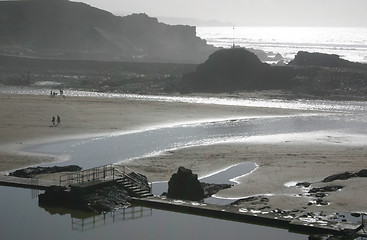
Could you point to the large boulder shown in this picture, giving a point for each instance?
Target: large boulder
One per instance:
(185, 185)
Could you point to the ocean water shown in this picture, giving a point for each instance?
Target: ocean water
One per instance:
(349, 43)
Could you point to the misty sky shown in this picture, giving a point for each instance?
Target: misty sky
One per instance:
(248, 12)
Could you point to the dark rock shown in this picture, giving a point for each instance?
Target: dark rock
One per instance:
(185, 185)
(340, 176)
(100, 200)
(34, 171)
(321, 201)
(323, 60)
(211, 188)
(357, 215)
(106, 199)
(362, 173)
(320, 195)
(325, 189)
(303, 184)
(252, 200)
(236, 69)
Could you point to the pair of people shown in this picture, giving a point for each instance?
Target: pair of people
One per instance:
(58, 120)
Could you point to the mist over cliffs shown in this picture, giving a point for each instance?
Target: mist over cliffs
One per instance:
(71, 30)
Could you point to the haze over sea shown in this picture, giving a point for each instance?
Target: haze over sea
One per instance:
(349, 43)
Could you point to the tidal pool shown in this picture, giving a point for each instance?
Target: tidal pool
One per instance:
(23, 219)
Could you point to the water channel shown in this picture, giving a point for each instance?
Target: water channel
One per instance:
(25, 220)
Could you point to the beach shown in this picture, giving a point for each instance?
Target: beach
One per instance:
(26, 120)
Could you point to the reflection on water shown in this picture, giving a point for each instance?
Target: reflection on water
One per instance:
(125, 214)
(22, 219)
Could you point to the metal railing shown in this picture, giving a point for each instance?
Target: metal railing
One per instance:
(102, 173)
(135, 178)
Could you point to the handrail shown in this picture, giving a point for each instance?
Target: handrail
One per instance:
(127, 173)
(102, 173)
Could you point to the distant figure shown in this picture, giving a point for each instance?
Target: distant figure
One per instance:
(51, 94)
(53, 120)
(58, 120)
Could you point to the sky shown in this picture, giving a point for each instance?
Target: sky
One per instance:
(331, 13)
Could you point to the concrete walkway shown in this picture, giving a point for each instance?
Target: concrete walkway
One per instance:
(32, 183)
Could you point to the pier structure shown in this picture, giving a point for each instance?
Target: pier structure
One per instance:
(93, 178)
(88, 179)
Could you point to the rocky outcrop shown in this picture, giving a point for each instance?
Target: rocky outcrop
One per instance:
(346, 176)
(34, 171)
(325, 189)
(211, 188)
(315, 74)
(185, 185)
(236, 69)
(323, 60)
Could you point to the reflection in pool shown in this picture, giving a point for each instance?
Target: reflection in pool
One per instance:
(23, 219)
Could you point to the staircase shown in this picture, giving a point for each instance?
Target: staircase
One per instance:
(134, 188)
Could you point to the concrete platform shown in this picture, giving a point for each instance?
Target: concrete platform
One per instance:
(264, 218)
(26, 182)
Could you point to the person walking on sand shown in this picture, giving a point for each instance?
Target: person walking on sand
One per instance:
(53, 120)
(58, 120)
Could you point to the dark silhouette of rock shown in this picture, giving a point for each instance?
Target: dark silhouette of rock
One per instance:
(303, 184)
(340, 176)
(346, 175)
(323, 60)
(74, 30)
(211, 188)
(185, 185)
(34, 171)
(362, 173)
(325, 189)
(236, 69)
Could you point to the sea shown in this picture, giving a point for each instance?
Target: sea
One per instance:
(349, 43)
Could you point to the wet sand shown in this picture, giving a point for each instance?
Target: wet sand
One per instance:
(27, 119)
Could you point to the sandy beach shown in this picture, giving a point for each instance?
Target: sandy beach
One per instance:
(26, 119)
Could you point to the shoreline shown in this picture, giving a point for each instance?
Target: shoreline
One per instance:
(26, 119)
(279, 160)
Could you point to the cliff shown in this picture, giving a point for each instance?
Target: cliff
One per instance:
(71, 30)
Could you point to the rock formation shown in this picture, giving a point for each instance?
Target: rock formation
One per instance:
(323, 60)
(34, 171)
(185, 185)
(236, 69)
